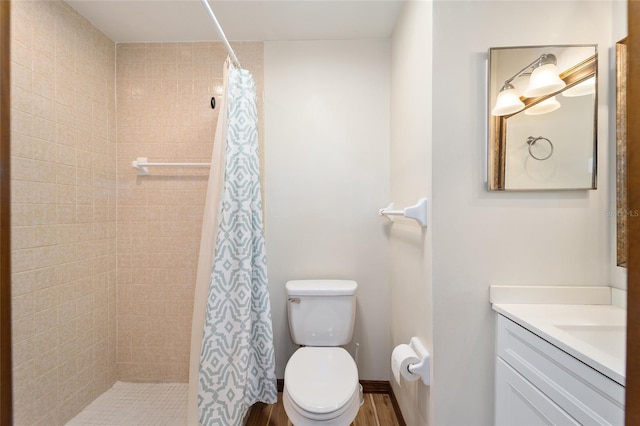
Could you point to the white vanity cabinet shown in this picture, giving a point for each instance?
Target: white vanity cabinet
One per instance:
(537, 383)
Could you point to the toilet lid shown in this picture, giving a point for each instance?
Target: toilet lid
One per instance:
(321, 380)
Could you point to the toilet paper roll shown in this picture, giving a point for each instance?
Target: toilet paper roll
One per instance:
(401, 357)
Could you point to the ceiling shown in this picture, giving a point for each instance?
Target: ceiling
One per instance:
(241, 20)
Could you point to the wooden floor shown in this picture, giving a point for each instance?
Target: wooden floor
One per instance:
(377, 410)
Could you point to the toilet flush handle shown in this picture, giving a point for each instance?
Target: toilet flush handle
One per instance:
(294, 299)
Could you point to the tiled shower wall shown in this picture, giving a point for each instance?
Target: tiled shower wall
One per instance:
(63, 159)
(80, 212)
(164, 113)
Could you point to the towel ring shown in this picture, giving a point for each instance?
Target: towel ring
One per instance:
(532, 141)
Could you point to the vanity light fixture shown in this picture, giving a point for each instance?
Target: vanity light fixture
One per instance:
(543, 81)
(544, 78)
(508, 101)
(543, 107)
(587, 87)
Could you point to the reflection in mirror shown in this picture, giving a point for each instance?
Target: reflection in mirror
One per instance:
(542, 120)
(621, 153)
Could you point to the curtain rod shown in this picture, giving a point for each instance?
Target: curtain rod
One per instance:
(232, 54)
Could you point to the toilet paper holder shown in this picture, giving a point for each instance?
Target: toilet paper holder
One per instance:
(422, 368)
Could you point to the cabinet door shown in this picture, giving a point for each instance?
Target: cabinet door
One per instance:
(588, 396)
(519, 403)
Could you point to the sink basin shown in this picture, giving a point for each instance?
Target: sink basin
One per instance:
(610, 339)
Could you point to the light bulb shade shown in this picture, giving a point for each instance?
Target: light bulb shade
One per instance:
(543, 107)
(587, 87)
(508, 102)
(544, 80)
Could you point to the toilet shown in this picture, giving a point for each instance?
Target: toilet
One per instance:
(321, 384)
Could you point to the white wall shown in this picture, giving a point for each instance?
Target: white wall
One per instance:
(411, 165)
(330, 165)
(327, 174)
(482, 238)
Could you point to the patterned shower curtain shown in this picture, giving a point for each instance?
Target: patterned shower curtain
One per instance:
(237, 363)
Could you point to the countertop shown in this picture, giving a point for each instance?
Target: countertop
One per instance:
(594, 334)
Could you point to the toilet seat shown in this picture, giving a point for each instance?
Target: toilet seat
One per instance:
(321, 383)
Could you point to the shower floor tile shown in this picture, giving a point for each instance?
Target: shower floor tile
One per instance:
(129, 404)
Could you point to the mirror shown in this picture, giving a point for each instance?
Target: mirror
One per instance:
(621, 153)
(542, 118)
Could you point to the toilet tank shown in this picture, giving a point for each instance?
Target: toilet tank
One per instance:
(321, 312)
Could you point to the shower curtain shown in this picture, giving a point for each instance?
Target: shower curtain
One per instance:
(232, 362)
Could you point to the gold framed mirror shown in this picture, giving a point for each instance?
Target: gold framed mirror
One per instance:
(622, 210)
(544, 136)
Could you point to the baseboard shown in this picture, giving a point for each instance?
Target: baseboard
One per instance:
(372, 386)
(376, 386)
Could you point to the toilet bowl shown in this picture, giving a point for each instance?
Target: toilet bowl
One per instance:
(321, 387)
(321, 378)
